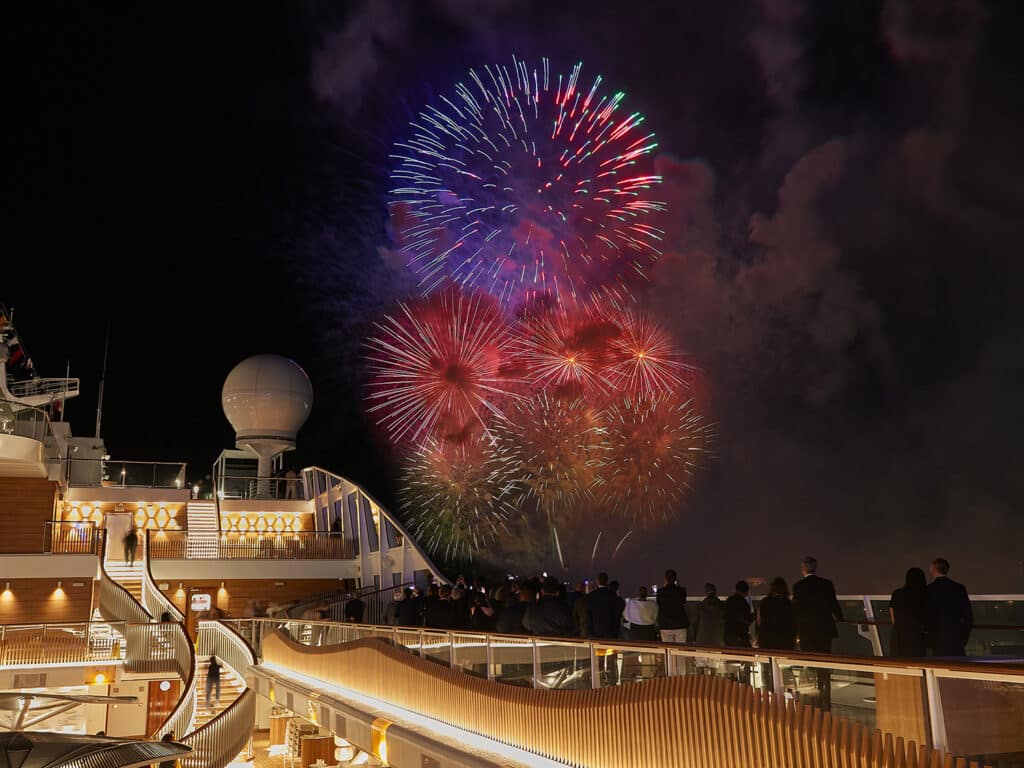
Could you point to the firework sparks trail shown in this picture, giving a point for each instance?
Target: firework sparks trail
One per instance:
(556, 445)
(456, 502)
(645, 362)
(564, 352)
(437, 368)
(527, 183)
(656, 446)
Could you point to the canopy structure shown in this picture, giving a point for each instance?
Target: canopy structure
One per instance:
(38, 749)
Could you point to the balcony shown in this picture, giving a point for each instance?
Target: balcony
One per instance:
(308, 545)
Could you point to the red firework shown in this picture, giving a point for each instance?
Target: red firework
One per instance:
(563, 351)
(655, 447)
(438, 367)
(644, 361)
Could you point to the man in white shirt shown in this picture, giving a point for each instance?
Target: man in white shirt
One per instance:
(642, 615)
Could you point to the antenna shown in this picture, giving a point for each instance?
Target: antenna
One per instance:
(103, 375)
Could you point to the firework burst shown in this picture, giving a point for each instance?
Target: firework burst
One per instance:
(645, 362)
(525, 182)
(456, 502)
(564, 352)
(656, 446)
(437, 368)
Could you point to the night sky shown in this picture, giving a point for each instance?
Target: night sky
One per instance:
(844, 259)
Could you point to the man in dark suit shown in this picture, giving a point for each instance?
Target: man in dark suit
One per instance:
(950, 619)
(816, 610)
(604, 611)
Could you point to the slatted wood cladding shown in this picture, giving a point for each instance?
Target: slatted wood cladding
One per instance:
(673, 722)
(26, 504)
(36, 601)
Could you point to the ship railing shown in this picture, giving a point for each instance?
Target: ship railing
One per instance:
(50, 386)
(155, 601)
(67, 538)
(375, 603)
(86, 642)
(89, 473)
(270, 487)
(29, 421)
(947, 694)
(256, 545)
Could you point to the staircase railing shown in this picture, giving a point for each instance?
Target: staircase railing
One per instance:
(115, 602)
(183, 717)
(220, 640)
(219, 742)
(157, 648)
(154, 600)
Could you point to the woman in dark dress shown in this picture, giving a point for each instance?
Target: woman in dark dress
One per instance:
(776, 624)
(908, 609)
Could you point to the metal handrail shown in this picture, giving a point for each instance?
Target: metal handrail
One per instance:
(269, 545)
(183, 716)
(349, 631)
(224, 642)
(218, 743)
(70, 538)
(155, 601)
(89, 642)
(122, 479)
(115, 602)
(47, 386)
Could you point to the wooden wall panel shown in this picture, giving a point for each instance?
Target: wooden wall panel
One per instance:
(35, 601)
(240, 592)
(26, 504)
(161, 703)
(696, 721)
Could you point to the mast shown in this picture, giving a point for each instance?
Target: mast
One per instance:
(103, 375)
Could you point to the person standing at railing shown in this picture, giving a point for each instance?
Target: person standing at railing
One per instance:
(908, 609)
(642, 615)
(817, 612)
(551, 616)
(776, 624)
(291, 478)
(672, 618)
(354, 610)
(951, 618)
(738, 616)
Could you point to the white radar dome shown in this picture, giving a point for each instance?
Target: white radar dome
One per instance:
(267, 399)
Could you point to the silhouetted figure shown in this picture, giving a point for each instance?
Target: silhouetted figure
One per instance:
(550, 617)
(709, 620)
(213, 681)
(672, 618)
(951, 619)
(354, 609)
(908, 609)
(603, 607)
(738, 616)
(510, 620)
(291, 478)
(817, 610)
(131, 545)
(776, 624)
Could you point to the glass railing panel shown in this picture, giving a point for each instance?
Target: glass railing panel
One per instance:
(409, 639)
(437, 646)
(469, 654)
(563, 665)
(632, 664)
(844, 692)
(512, 660)
(984, 719)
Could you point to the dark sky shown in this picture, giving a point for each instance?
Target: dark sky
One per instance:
(844, 260)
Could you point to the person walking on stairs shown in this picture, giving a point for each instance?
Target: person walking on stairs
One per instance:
(131, 544)
(212, 680)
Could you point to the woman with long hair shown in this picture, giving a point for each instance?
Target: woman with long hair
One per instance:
(908, 609)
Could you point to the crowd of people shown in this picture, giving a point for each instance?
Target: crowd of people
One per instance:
(933, 617)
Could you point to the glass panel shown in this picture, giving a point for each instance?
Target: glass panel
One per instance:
(352, 534)
(844, 693)
(394, 539)
(984, 720)
(437, 647)
(409, 639)
(633, 665)
(372, 535)
(563, 665)
(513, 660)
(470, 654)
